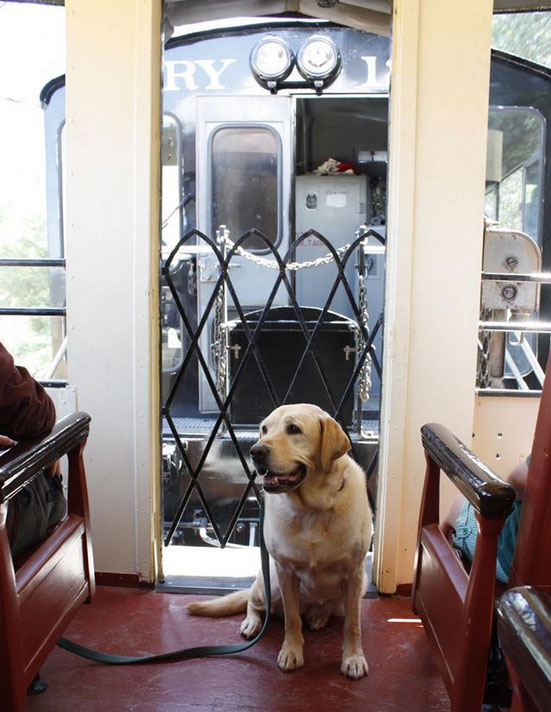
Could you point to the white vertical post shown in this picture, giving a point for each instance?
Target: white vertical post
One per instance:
(437, 143)
(112, 232)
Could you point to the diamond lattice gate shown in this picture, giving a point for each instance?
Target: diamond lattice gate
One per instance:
(227, 365)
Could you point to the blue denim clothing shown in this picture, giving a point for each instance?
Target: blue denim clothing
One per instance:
(466, 534)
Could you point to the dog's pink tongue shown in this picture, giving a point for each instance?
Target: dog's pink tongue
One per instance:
(294, 475)
(271, 479)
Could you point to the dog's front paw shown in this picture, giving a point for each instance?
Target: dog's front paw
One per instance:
(354, 666)
(290, 658)
(251, 626)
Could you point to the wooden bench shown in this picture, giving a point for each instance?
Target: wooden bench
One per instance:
(457, 609)
(39, 597)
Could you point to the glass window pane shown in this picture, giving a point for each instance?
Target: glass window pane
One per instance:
(525, 34)
(490, 203)
(514, 169)
(32, 52)
(37, 343)
(171, 204)
(510, 201)
(245, 182)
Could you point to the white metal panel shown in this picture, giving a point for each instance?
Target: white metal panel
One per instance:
(334, 206)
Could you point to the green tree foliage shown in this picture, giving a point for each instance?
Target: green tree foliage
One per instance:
(527, 35)
(28, 338)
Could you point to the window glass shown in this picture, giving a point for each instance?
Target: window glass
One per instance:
(514, 169)
(245, 191)
(525, 34)
(32, 52)
(510, 201)
(514, 180)
(172, 203)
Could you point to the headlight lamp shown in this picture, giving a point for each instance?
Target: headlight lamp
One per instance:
(318, 58)
(271, 60)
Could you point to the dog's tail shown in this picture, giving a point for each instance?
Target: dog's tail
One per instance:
(235, 602)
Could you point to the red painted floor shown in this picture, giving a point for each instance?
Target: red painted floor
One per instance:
(402, 678)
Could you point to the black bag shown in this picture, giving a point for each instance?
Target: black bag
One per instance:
(33, 511)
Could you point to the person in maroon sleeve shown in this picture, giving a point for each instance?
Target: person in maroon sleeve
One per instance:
(27, 411)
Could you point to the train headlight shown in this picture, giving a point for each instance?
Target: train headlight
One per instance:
(318, 59)
(272, 60)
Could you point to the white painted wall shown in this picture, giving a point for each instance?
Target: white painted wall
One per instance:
(113, 100)
(503, 430)
(438, 125)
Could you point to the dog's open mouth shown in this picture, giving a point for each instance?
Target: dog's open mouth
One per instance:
(283, 482)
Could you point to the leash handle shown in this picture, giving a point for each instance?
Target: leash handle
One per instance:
(186, 653)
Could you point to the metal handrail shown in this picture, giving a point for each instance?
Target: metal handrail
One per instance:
(33, 262)
(33, 311)
(540, 277)
(534, 327)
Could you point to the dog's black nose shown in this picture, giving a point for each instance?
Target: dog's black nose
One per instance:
(259, 452)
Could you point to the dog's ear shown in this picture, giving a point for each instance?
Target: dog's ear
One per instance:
(334, 442)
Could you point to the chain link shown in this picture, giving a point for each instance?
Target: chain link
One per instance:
(219, 350)
(484, 346)
(272, 264)
(364, 380)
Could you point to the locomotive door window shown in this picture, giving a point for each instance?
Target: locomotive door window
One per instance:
(244, 183)
(244, 177)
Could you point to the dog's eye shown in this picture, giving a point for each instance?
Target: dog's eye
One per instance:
(293, 429)
(264, 430)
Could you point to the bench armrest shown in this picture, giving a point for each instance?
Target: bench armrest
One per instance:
(488, 493)
(21, 463)
(524, 625)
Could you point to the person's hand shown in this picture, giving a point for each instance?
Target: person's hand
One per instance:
(54, 469)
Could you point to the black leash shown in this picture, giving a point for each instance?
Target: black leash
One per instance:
(186, 653)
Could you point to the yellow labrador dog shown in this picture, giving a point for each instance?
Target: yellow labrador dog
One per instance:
(317, 530)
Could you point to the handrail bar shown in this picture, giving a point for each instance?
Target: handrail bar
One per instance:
(21, 463)
(486, 491)
(538, 327)
(33, 311)
(34, 262)
(541, 277)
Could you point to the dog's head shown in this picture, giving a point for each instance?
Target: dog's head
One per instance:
(295, 441)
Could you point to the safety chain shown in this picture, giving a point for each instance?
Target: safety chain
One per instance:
(364, 380)
(219, 348)
(220, 334)
(484, 347)
(272, 264)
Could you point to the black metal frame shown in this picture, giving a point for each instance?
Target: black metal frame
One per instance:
(224, 418)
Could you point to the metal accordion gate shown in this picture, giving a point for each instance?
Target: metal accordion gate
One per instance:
(249, 361)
